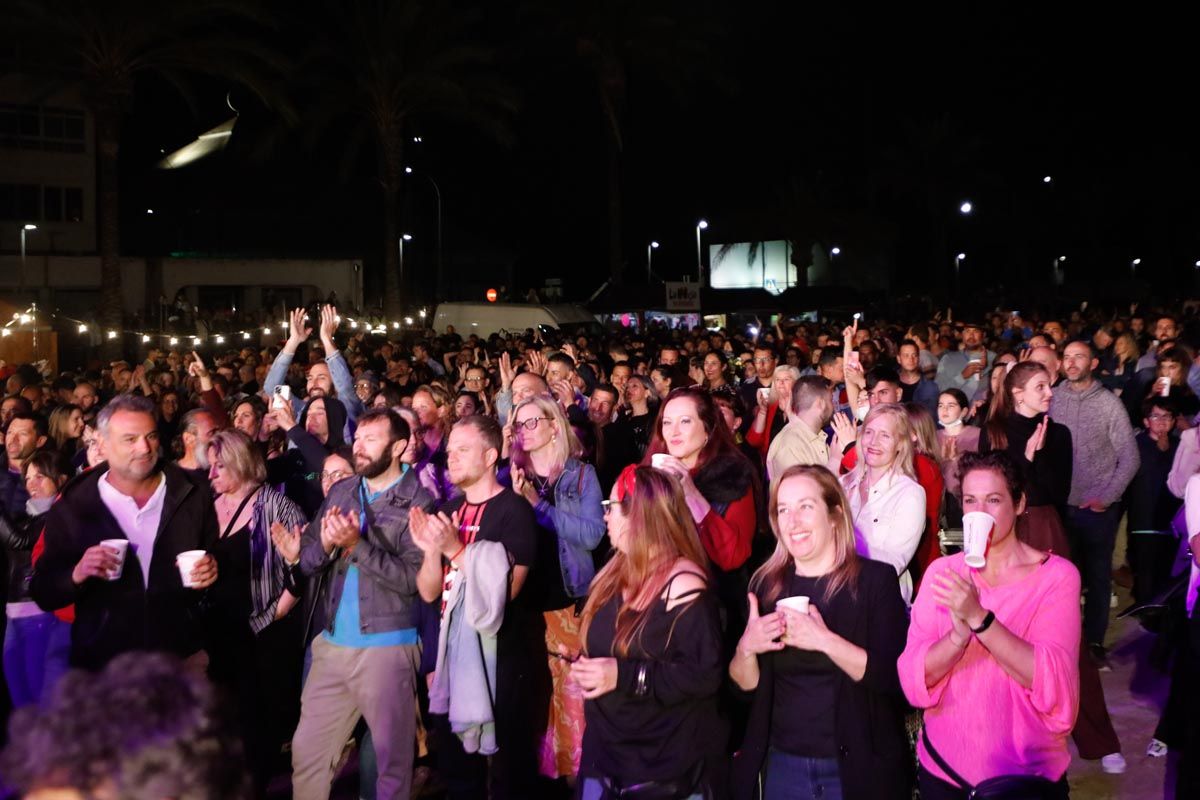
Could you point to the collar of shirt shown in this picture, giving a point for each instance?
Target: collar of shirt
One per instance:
(111, 496)
(877, 489)
(799, 428)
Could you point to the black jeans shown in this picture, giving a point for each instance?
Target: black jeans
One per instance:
(1093, 535)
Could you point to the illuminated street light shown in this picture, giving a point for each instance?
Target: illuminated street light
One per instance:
(837, 251)
(650, 248)
(966, 207)
(702, 225)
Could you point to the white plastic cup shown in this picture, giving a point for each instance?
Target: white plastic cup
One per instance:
(1163, 387)
(977, 533)
(799, 604)
(659, 459)
(764, 394)
(122, 547)
(186, 561)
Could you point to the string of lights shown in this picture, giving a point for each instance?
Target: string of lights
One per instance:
(32, 319)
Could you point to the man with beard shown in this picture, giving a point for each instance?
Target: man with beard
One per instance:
(364, 663)
(138, 600)
(198, 427)
(327, 378)
(961, 369)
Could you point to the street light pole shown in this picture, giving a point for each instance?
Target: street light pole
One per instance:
(958, 259)
(1056, 277)
(650, 248)
(437, 191)
(404, 237)
(1133, 267)
(29, 226)
(701, 225)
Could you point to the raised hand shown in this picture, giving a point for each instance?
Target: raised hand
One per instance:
(287, 542)
(535, 362)
(98, 561)
(844, 430)
(329, 326)
(1037, 439)
(507, 372)
(298, 329)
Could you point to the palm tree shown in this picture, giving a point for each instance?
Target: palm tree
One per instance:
(380, 65)
(108, 48)
(665, 43)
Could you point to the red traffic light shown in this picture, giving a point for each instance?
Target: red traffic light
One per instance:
(492, 294)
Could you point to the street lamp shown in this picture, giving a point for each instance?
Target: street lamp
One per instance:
(404, 237)
(700, 226)
(1133, 265)
(650, 248)
(837, 251)
(1047, 179)
(437, 191)
(28, 226)
(966, 207)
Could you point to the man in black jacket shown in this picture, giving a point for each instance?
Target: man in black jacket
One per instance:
(162, 511)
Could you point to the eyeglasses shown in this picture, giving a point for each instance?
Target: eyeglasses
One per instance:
(335, 475)
(531, 423)
(473, 380)
(1161, 417)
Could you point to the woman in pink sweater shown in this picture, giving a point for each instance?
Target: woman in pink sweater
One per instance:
(993, 654)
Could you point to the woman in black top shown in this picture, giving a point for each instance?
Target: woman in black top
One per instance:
(652, 656)
(254, 643)
(1017, 423)
(828, 714)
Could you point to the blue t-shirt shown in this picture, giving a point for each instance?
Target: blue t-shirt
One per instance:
(347, 627)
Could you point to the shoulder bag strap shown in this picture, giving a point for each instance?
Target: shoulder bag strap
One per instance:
(941, 762)
(241, 507)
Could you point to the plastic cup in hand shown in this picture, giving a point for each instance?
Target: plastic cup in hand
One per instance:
(977, 533)
(799, 604)
(1163, 387)
(122, 547)
(186, 561)
(658, 460)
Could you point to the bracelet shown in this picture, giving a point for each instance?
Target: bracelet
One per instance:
(987, 623)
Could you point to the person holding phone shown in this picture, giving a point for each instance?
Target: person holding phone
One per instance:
(962, 369)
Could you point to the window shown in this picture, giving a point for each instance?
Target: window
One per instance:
(73, 205)
(27, 202)
(41, 128)
(52, 204)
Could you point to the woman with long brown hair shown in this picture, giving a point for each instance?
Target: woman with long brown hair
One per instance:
(1017, 423)
(1041, 448)
(652, 661)
(692, 442)
(827, 716)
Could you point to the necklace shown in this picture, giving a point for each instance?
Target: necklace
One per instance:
(541, 485)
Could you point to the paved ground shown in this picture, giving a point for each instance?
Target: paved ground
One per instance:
(1135, 693)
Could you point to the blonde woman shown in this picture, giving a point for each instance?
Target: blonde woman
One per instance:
(827, 715)
(566, 499)
(255, 646)
(652, 664)
(66, 429)
(887, 504)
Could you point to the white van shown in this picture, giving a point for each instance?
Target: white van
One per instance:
(484, 319)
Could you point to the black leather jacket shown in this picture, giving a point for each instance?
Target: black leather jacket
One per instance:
(18, 539)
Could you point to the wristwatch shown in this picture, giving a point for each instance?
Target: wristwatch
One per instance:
(987, 623)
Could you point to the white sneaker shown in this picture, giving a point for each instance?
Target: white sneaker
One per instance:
(1157, 748)
(1113, 763)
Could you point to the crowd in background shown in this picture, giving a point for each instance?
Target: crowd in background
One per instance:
(537, 564)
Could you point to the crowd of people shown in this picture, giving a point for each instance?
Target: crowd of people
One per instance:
(650, 564)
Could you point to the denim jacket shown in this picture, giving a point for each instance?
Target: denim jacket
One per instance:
(577, 519)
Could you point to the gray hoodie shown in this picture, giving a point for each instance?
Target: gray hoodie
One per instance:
(1105, 453)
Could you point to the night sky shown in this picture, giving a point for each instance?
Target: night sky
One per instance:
(817, 126)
